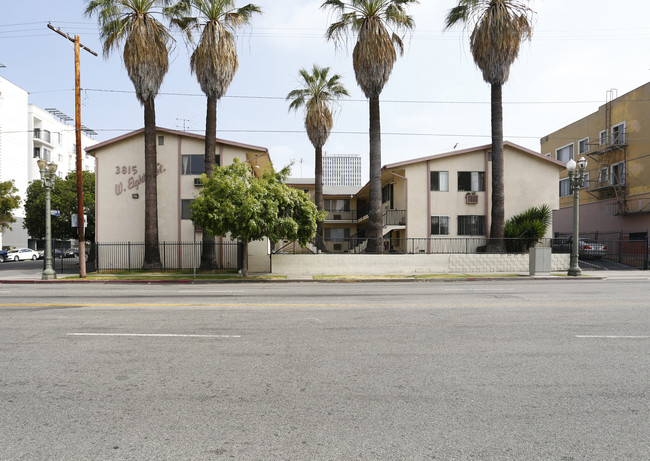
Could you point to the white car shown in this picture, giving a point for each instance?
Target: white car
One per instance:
(22, 254)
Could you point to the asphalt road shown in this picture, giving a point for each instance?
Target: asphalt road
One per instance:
(553, 370)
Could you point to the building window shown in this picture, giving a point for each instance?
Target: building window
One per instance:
(603, 137)
(565, 187)
(186, 212)
(387, 194)
(583, 146)
(471, 181)
(439, 225)
(471, 225)
(564, 154)
(47, 154)
(440, 181)
(604, 175)
(161, 140)
(618, 173)
(37, 152)
(195, 164)
(337, 234)
(337, 204)
(618, 133)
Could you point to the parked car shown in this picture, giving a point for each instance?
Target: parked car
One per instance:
(587, 248)
(3, 255)
(22, 254)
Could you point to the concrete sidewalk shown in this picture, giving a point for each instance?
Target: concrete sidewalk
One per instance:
(35, 277)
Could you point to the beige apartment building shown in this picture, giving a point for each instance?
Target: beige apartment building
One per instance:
(615, 141)
(119, 188)
(443, 196)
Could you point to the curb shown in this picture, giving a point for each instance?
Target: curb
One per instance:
(345, 280)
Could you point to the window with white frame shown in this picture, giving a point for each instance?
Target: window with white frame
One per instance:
(583, 146)
(37, 152)
(439, 225)
(565, 153)
(604, 175)
(586, 181)
(618, 133)
(618, 173)
(603, 137)
(440, 181)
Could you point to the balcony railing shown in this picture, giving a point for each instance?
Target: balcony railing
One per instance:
(344, 215)
(395, 218)
(43, 135)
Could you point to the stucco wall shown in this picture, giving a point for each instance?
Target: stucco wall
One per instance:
(330, 264)
(530, 180)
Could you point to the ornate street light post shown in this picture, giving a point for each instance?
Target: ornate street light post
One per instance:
(577, 182)
(48, 171)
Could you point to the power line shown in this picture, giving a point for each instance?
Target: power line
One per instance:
(392, 101)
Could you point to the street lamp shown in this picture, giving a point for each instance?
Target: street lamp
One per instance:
(47, 171)
(577, 182)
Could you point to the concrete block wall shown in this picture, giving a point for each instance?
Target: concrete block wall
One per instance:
(346, 264)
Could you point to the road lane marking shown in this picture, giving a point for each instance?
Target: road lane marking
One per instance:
(155, 335)
(612, 337)
(479, 289)
(209, 291)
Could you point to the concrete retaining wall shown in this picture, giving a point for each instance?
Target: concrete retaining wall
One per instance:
(346, 264)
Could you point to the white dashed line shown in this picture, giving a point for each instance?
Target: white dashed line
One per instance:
(154, 335)
(612, 337)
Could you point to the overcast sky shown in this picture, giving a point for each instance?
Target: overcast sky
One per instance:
(435, 101)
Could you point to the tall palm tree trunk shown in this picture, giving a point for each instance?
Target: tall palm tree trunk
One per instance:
(375, 223)
(319, 190)
(208, 253)
(151, 248)
(497, 226)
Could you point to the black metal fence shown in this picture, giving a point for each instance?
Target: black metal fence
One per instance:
(459, 245)
(610, 251)
(129, 257)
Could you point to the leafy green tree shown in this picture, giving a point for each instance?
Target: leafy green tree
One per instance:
(146, 58)
(63, 199)
(234, 201)
(316, 95)
(373, 57)
(9, 201)
(524, 230)
(498, 28)
(214, 62)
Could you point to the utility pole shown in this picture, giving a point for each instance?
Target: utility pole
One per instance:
(80, 189)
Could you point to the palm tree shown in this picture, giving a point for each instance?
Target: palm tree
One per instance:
(499, 26)
(214, 62)
(146, 49)
(317, 94)
(373, 57)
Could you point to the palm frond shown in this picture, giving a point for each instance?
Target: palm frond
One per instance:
(377, 25)
(498, 28)
(317, 94)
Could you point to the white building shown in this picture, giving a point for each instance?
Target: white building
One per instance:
(341, 170)
(28, 133)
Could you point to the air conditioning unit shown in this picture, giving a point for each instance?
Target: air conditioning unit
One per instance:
(198, 182)
(337, 247)
(471, 199)
(336, 216)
